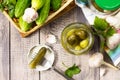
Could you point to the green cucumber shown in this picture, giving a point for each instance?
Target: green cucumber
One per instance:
(24, 25)
(11, 13)
(55, 4)
(11, 2)
(43, 13)
(38, 57)
(37, 4)
(20, 7)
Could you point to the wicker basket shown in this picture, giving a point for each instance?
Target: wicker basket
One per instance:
(66, 6)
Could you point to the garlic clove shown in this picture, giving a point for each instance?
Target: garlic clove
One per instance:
(51, 39)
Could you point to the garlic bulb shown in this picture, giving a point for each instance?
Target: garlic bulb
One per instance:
(113, 41)
(30, 15)
(96, 60)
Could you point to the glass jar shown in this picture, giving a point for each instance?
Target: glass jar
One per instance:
(103, 7)
(77, 38)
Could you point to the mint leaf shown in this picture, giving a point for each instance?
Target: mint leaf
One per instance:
(72, 71)
(110, 32)
(103, 28)
(100, 24)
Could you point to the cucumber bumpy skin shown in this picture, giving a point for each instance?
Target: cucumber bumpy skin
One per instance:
(55, 4)
(43, 13)
(11, 2)
(20, 7)
(24, 25)
(38, 58)
(37, 4)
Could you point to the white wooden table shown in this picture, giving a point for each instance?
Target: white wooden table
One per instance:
(14, 49)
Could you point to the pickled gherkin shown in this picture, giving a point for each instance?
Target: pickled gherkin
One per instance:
(40, 55)
(72, 39)
(82, 34)
(77, 38)
(84, 43)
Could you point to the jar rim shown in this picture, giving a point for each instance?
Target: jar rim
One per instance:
(108, 4)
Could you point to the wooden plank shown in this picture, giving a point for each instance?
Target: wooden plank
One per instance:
(61, 55)
(87, 73)
(19, 50)
(4, 48)
(111, 75)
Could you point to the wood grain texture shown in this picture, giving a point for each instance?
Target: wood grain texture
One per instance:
(87, 73)
(19, 50)
(14, 49)
(111, 75)
(56, 28)
(61, 55)
(4, 48)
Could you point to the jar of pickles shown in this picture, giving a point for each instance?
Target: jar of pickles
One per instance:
(105, 6)
(101, 6)
(77, 38)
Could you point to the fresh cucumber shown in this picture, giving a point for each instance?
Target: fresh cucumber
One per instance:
(21, 5)
(43, 13)
(24, 25)
(11, 2)
(56, 4)
(11, 13)
(37, 4)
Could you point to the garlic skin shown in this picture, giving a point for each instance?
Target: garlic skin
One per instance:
(102, 72)
(113, 41)
(118, 15)
(113, 21)
(96, 60)
(118, 31)
(30, 15)
(51, 39)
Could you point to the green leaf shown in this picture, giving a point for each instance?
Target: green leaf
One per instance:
(100, 24)
(72, 71)
(110, 32)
